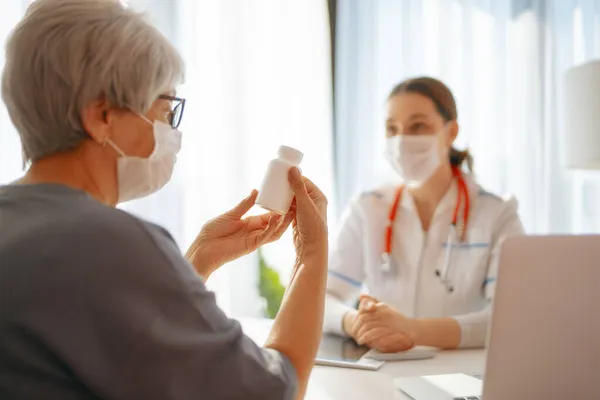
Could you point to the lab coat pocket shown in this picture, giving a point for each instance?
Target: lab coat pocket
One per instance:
(468, 265)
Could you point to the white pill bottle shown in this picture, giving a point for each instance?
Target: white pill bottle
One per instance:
(275, 193)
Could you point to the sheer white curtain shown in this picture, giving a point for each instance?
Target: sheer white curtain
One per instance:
(258, 75)
(504, 61)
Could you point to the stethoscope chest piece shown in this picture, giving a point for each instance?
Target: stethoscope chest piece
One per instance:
(386, 264)
(445, 282)
(445, 273)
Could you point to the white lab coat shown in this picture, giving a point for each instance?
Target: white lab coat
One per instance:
(413, 287)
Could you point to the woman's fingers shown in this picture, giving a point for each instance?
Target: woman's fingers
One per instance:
(382, 342)
(371, 335)
(268, 233)
(298, 185)
(256, 223)
(362, 325)
(243, 206)
(310, 223)
(306, 193)
(369, 297)
(367, 304)
(264, 236)
(284, 224)
(392, 342)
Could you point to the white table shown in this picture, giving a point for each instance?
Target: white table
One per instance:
(331, 383)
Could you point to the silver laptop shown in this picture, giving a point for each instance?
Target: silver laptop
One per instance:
(545, 332)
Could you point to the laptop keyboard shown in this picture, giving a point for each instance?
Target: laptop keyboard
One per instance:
(471, 397)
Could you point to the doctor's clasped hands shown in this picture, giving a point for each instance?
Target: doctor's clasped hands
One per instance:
(379, 326)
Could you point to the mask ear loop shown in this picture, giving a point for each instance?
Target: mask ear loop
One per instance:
(114, 146)
(145, 119)
(104, 115)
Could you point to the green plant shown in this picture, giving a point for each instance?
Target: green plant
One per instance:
(269, 286)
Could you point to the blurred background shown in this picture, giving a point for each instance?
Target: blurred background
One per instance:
(314, 74)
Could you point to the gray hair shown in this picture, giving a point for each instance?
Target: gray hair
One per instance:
(64, 54)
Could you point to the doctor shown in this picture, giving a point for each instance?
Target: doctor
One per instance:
(426, 250)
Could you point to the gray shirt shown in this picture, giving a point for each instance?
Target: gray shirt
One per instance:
(97, 304)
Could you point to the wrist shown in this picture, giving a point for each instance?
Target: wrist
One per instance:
(418, 331)
(318, 257)
(201, 263)
(348, 321)
(444, 333)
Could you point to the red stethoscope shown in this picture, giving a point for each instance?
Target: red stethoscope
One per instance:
(457, 229)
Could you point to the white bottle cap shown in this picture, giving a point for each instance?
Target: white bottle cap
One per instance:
(290, 155)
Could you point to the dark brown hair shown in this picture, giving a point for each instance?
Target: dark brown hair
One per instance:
(445, 104)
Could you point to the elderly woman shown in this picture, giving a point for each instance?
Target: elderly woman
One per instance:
(95, 303)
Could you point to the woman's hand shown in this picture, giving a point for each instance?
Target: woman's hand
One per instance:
(230, 236)
(379, 326)
(310, 222)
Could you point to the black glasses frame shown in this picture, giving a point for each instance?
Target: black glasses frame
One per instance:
(176, 113)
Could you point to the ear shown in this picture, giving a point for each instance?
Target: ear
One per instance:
(453, 129)
(95, 120)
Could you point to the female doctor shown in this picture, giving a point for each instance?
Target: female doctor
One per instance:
(427, 250)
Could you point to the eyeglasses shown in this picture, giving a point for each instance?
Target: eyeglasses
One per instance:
(177, 106)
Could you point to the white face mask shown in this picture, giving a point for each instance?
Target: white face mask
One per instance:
(139, 177)
(414, 157)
